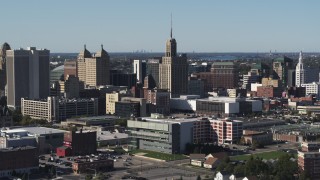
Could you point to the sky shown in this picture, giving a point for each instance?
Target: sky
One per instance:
(130, 25)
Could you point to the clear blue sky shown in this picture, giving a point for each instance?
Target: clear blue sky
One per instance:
(200, 26)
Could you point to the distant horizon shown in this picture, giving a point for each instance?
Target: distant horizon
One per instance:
(127, 26)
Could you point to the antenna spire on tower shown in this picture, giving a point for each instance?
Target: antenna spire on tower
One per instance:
(85, 46)
(171, 27)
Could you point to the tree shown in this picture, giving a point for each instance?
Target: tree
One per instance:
(88, 177)
(285, 168)
(239, 169)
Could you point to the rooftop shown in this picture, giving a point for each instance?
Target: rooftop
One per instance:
(107, 135)
(42, 130)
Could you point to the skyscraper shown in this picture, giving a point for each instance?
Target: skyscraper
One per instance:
(3, 78)
(28, 74)
(139, 68)
(300, 72)
(173, 71)
(94, 70)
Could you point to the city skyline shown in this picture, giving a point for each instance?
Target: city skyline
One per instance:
(124, 26)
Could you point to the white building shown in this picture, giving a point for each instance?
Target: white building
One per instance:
(312, 88)
(248, 79)
(138, 69)
(300, 72)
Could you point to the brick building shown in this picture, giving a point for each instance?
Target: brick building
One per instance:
(226, 130)
(268, 91)
(310, 162)
(20, 160)
(78, 143)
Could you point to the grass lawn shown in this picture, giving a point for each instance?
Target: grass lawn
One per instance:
(158, 155)
(264, 155)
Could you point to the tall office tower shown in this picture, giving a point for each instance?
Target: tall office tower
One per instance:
(281, 66)
(94, 70)
(173, 70)
(139, 68)
(70, 68)
(152, 69)
(3, 79)
(300, 72)
(28, 74)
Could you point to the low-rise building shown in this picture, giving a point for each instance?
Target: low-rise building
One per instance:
(19, 160)
(220, 106)
(45, 139)
(310, 161)
(312, 88)
(197, 159)
(157, 133)
(107, 121)
(310, 146)
(250, 137)
(269, 91)
(211, 163)
(55, 109)
(304, 110)
(92, 164)
(131, 107)
(80, 143)
(107, 138)
(226, 131)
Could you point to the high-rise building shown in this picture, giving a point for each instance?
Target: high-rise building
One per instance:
(139, 68)
(70, 68)
(28, 75)
(173, 70)
(152, 68)
(3, 77)
(94, 70)
(300, 72)
(281, 66)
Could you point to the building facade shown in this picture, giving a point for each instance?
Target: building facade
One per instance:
(94, 70)
(28, 75)
(300, 72)
(55, 109)
(3, 72)
(310, 162)
(173, 71)
(139, 68)
(21, 160)
(160, 134)
(80, 143)
(312, 88)
(281, 66)
(226, 131)
(70, 68)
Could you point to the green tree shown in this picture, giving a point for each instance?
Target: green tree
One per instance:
(100, 176)
(285, 168)
(239, 169)
(26, 120)
(88, 177)
(16, 117)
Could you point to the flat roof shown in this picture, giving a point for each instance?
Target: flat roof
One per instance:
(14, 130)
(94, 118)
(107, 135)
(42, 130)
(169, 120)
